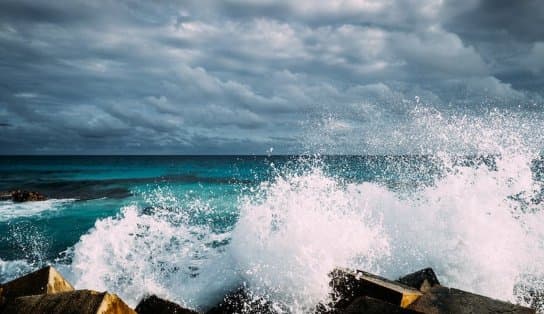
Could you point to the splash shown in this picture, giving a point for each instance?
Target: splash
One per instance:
(137, 253)
(471, 230)
(294, 231)
(277, 250)
(471, 226)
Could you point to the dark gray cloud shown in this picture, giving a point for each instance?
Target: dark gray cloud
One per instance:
(492, 20)
(241, 76)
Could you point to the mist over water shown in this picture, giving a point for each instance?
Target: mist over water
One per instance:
(468, 203)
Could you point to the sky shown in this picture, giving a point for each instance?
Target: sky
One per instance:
(260, 77)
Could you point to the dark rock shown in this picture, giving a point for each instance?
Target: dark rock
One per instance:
(368, 305)
(241, 301)
(423, 280)
(155, 305)
(442, 300)
(26, 196)
(72, 302)
(348, 285)
(44, 281)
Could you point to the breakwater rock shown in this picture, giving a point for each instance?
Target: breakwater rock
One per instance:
(78, 301)
(352, 291)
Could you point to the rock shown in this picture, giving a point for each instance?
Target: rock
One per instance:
(19, 196)
(241, 301)
(423, 279)
(155, 305)
(442, 300)
(349, 284)
(368, 305)
(44, 281)
(72, 302)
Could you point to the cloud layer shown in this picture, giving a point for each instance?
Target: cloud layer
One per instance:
(241, 76)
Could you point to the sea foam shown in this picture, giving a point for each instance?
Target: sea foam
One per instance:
(10, 210)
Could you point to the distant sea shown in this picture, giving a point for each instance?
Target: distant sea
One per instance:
(191, 228)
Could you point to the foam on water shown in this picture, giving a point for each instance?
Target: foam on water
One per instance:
(10, 210)
(10, 270)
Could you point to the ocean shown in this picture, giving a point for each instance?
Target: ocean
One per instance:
(192, 228)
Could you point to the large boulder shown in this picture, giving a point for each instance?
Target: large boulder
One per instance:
(44, 281)
(155, 305)
(348, 285)
(443, 300)
(26, 196)
(423, 279)
(72, 302)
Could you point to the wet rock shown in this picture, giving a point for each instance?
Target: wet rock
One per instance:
(72, 302)
(368, 305)
(155, 305)
(442, 300)
(241, 301)
(44, 281)
(19, 196)
(348, 285)
(423, 279)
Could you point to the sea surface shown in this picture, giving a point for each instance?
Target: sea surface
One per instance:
(191, 228)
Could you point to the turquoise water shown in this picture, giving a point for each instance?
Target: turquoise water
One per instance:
(98, 187)
(192, 227)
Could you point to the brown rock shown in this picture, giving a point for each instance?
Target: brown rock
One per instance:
(44, 281)
(423, 279)
(155, 305)
(350, 284)
(442, 300)
(26, 196)
(73, 302)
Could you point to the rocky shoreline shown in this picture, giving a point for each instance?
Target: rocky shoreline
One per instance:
(353, 291)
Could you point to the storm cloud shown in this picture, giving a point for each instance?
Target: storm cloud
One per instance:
(244, 76)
